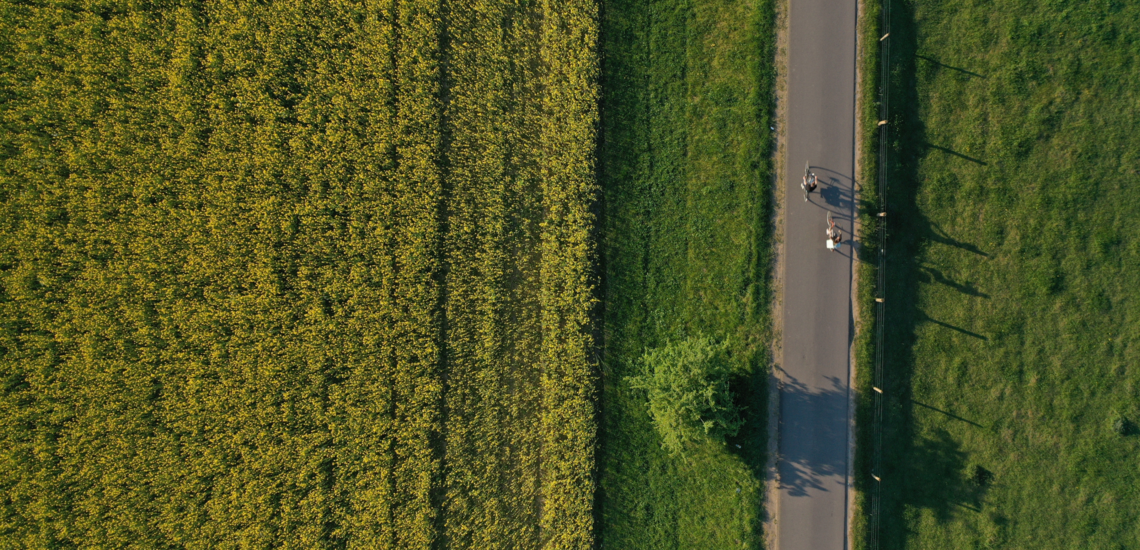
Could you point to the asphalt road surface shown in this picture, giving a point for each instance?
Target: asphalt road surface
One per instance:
(813, 437)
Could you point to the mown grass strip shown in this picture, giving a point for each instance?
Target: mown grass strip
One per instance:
(1011, 316)
(865, 526)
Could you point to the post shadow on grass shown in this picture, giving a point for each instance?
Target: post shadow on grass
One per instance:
(918, 470)
(947, 413)
(932, 274)
(1123, 426)
(952, 327)
(941, 65)
(939, 235)
(949, 151)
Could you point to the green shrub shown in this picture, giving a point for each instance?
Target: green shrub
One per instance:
(1122, 426)
(688, 394)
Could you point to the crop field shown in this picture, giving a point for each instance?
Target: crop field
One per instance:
(297, 274)
(684, 167)
(1013, 294)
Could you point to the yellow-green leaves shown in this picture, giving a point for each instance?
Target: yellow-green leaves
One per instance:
(297, 275)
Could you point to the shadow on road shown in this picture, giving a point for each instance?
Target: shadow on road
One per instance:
(838, 198)
(802, 411)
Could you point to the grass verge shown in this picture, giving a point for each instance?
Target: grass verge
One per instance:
(867, 269)
(685, 174)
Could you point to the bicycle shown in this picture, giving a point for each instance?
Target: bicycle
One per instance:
(834, 234)
(809, 178)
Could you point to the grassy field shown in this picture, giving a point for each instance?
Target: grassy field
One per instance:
(686, 180)
(297, 274)
(1013, 294)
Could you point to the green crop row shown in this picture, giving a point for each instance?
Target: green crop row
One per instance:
(493, 439)
(520, 429)
(570, 97)
(300, 275)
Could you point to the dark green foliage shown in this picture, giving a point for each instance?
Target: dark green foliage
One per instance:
(686, 383)
(1122, 426)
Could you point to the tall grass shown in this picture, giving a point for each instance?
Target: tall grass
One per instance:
(686, 183)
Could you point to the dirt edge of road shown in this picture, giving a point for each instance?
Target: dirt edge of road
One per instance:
(775, 379)
(856, 229)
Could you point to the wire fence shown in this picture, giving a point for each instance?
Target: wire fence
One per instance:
(880, 302)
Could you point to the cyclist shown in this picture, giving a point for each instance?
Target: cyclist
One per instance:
(834, 235)
(810, 181)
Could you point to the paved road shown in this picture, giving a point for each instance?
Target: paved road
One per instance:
(817, 330)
